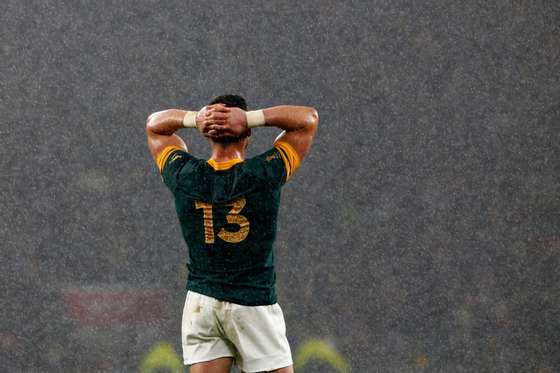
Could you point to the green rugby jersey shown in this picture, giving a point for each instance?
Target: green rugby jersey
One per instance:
(228, 213)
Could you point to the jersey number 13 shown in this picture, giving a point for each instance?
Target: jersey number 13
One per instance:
(233, 217)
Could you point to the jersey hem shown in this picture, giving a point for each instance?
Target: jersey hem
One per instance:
(223, 297)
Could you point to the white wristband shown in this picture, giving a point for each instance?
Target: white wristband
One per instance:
(255, 118)
(189, 120)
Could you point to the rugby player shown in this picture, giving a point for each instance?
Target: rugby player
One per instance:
(227, 208)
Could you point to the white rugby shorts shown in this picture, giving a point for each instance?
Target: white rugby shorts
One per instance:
(255, 336)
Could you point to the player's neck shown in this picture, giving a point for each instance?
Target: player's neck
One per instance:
(223, 153)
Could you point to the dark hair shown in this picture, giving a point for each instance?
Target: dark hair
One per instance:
(231, 101)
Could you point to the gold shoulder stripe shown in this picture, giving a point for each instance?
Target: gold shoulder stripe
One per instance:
(220, 166)
(162, 157)
(289, 156)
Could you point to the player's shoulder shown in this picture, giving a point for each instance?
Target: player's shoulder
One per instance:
(267, 156)
(266, 168)
(270, 158)
(289, 156)
(282, 156)
(174, 161)
(169, 155)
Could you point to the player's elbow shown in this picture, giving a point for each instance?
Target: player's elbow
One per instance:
(151, 121)
(312, 118)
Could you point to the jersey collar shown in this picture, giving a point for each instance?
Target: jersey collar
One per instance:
(220, 166)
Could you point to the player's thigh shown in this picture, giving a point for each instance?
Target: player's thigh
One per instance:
(221, 365)
(198, 324)
(259, 336)
(201, 337)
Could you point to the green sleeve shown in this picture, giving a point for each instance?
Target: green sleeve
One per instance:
(171, 164)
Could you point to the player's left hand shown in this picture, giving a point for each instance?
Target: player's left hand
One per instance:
(210, 116)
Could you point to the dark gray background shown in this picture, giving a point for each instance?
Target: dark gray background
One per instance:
(421, 234)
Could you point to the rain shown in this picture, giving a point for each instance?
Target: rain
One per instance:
(421, 233)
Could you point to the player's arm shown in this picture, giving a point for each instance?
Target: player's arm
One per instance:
(299, 124)
(160, 129)
(162, 125)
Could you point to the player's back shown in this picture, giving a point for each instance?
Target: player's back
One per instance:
(228, 213)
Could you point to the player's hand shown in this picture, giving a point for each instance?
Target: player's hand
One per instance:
(235, 122)
(210, 116)
(199, 120)
(202, 120)
(221, 121)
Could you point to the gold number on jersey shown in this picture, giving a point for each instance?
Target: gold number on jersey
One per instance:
(233, 217)
(208, 221)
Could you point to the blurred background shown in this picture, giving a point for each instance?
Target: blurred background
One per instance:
(422, 234)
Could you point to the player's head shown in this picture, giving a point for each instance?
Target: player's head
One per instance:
(231, 101)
